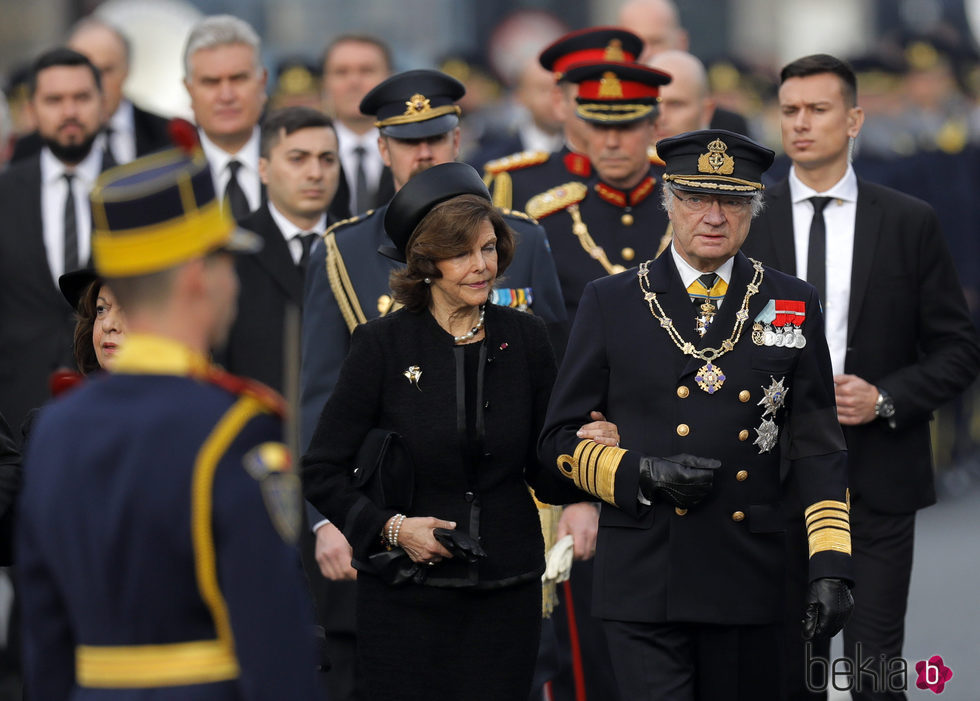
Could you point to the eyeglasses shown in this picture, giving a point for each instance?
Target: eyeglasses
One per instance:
(729, 204)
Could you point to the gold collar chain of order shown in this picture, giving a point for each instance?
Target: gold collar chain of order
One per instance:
(714, 382)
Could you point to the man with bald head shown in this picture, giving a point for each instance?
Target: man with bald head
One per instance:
(685, 102)
(658, 24)
(130, 131)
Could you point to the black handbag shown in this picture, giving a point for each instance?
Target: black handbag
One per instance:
(384, 471)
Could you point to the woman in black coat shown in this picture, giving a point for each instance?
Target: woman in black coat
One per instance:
(465, 384)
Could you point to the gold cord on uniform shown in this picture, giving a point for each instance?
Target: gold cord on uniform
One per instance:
(710, 376)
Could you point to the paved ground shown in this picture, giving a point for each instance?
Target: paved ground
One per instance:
(944, 603)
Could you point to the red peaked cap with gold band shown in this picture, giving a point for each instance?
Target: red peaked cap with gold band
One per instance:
(616, 93)
(593, 45)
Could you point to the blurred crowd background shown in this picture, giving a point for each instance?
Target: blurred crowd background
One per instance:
(917, 61)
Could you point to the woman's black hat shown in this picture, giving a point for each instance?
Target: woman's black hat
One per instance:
(423, 192)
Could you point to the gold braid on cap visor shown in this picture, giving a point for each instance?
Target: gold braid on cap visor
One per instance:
(716, 182)
(613, 113)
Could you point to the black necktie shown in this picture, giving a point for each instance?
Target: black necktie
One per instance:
(234, 193)
(306, 240)
(361, 202)
(109, 159)
(71, 228)
(816, 253)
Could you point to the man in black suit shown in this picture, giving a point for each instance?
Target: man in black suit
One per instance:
(130, 131)
(690, 558)
(900, 337)
(226, 83)
(47, 227)
(300, 169)
(353, 64)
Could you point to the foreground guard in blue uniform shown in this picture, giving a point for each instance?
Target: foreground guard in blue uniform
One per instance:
(719, 362)
(159, 507)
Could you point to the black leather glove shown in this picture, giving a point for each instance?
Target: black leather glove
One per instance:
(683, 480)
(459, 544)
(829, 605)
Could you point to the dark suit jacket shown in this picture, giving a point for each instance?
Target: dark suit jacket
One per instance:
(340, 206)
(269, 281)
(909, 332)
(36, 336)
(150, 131)
(9, 487)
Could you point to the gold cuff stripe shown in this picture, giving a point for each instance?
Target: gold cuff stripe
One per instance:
(825, 504)
(202, 531)
(138, 666)
(832, 539)
(423, 116)
(613, 113)
(827, 513)
(828, 522)
(147, 249)
(343, 288)
(593, 468)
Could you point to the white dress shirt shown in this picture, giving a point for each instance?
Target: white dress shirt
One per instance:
(689, 273)
(347, 141)
(838, 217)
(248, 174)
(123, 138)
(289, 231)
(54, 190)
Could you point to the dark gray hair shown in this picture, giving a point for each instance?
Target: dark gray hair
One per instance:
(667, 200)
(220, 30)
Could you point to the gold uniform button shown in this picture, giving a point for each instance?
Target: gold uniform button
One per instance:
(627, 219)
(683, 391)
(384, 304)
(683, 429)
(743, 435)
(628, 253)
(679, 511)
(742, 475)
(744, 396)
(738, 516)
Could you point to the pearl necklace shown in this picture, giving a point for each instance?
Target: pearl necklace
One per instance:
(475, 330)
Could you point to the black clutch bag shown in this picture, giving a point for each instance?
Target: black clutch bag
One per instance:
(384, 472)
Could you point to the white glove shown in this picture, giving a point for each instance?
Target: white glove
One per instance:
(558, 561)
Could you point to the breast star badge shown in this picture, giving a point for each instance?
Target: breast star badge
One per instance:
(774, 397)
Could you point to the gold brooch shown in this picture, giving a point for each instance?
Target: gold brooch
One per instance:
(418, 104)
(413, 374)
(716, 160)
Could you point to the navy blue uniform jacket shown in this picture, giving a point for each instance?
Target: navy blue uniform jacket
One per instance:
(722, 560)
(139, 526)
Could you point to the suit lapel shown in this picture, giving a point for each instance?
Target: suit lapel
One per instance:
(779, 222)
(32, 233)
(275, 257)
(867, 232)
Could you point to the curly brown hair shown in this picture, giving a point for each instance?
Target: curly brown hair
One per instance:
(447, 231)
(85, 357)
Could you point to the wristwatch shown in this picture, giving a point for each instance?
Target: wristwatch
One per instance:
(885, 407)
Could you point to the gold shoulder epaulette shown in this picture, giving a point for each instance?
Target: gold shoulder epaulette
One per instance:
(344, 222)
(517, 214)
(523, 159)
(556, 199)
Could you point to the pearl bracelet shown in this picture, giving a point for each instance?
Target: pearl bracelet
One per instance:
(401, 520)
